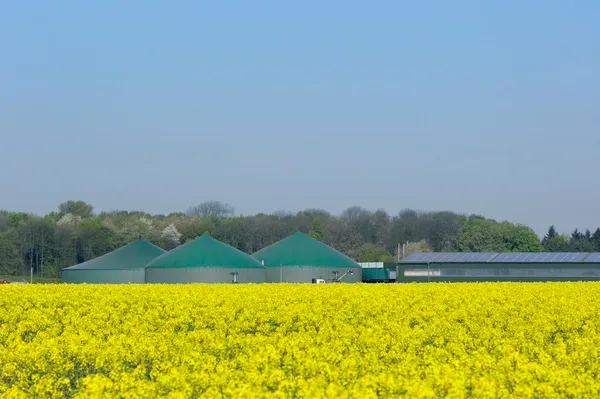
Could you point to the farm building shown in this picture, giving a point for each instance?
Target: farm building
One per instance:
(492, 266)
(300, 258)
(123, 265)
(205, 260)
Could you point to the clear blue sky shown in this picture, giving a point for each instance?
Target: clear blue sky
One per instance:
(476, 107)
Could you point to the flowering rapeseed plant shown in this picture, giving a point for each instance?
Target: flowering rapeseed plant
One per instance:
(484, 340)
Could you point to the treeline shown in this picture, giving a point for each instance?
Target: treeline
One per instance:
(74, 234)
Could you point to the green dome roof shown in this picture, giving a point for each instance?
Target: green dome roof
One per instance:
(205, 251)
(302, 250)
(135, 255)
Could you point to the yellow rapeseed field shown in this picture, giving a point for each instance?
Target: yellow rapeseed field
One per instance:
(484, 340)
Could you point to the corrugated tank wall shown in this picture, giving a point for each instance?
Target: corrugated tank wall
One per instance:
(99, 276)
(305, 274)
(204, 275)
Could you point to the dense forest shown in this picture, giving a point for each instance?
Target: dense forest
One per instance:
(74, 233)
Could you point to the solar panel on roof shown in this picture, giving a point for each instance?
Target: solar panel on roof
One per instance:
(578, 257)
(594, 257)
(505, 257)
(460, 257)
(414, 257)
(449, 257)
(560, 257)
(540, 257)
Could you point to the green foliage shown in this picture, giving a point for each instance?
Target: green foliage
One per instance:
(581, 242)
(11, 261)
(77, 208)
(74, 234)
(554, 242)
(316, 229)
(481, 235)
(486, 235)
(369, 252)
(419, 246)
(596, 240)
(519, 238)
(211, 209)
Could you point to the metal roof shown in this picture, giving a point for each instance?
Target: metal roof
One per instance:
(302, 250)
(135, 255)
(205, 251)
(503, 257)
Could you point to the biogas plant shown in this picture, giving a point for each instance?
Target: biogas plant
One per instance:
(302, 259)
(295, 259)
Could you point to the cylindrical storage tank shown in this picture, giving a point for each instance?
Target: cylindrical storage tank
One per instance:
(205, 260)
(121, 266)
(300, 259)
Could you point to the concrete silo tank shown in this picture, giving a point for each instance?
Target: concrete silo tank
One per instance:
(205, 260)
(300, 258)
(123, 265)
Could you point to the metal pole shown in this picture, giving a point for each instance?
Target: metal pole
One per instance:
(31, 279)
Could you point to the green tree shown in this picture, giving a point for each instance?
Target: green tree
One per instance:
(211, 209)
(233, 231)
(37, 242)
(549, 240)
(191, 227)
(555, 242)
(369, 252)
(581, 242)
(92, 239)
(77, 208)
(482, 235)
(596, 240)
(11, 262)
(519, 238)
(316, 229)
(442, 230)
(406, 227)
(419, 246)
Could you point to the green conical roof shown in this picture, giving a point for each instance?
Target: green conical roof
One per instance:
(302, 250)
(135, 255)
(205, 251)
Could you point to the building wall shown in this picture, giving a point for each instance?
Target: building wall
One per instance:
(499, 272)
(305, 274)
(95, 276)
(203, 275)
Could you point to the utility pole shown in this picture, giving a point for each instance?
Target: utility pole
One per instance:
(398, 262)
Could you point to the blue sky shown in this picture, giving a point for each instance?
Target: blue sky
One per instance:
(475, 107)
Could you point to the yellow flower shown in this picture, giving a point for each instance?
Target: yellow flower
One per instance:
(306, 341)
